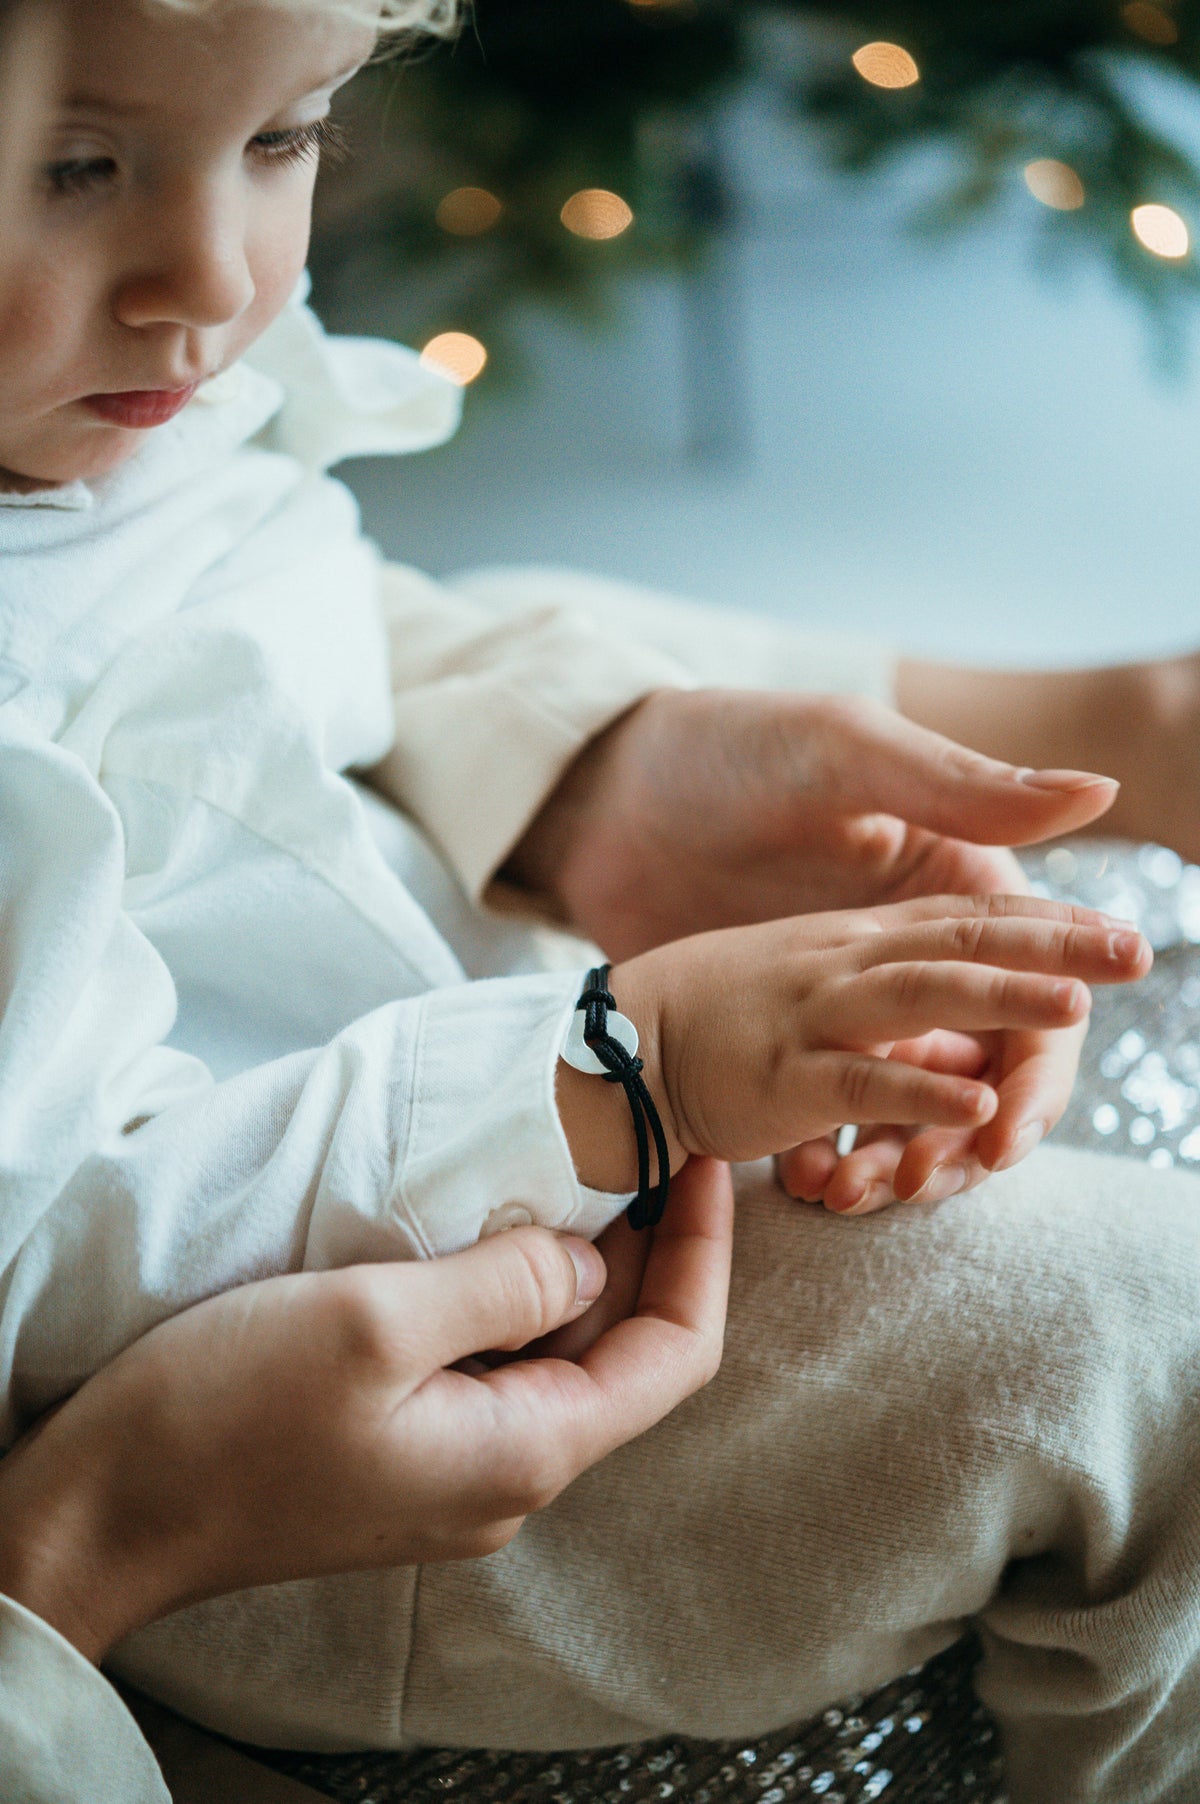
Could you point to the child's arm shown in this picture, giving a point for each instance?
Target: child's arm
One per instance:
(132, 1183)
(755, 1039)
(492, 708)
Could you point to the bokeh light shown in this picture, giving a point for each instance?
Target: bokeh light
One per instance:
(1161, 231)
(468, 211)
(1150, 22)
(596, 213)
(1055, 184)
(886, 65)
(457, 355)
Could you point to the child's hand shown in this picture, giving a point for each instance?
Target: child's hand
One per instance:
(758, 1039)
(1033, 1075)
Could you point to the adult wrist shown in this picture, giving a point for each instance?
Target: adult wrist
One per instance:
(61, 1500)
(545, 858)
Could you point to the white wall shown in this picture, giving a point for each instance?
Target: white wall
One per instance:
(948, 445)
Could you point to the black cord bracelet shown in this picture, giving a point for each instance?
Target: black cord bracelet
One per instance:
(625, 1068)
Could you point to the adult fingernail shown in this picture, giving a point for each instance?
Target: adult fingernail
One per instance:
(1022, 1146)
(1123, 948)
(1064, 780)
(865, 1202)
(591, 1273)
(943, 1181)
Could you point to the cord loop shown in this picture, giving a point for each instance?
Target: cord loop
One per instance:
(621, 1067)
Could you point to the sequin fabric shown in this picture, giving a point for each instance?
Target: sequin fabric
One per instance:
(922, 1739)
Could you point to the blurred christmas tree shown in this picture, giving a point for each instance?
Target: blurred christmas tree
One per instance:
(557, 140)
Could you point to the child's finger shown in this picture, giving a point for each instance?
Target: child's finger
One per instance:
(857, 1087)
(897, 1002)
(1098, 954)
(1001, 906)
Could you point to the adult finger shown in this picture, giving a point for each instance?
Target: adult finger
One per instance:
(649, 1363)
(962, 1055)
(881, 762)
(1034, 1079)
(625, 1251)
(504, 1292)
(1037, 1079)
(863, 1180)
(805, 1170)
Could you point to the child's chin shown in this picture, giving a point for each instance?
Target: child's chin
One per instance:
(108, 450)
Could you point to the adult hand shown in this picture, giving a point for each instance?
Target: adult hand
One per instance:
(322, 1423)
(719, 808)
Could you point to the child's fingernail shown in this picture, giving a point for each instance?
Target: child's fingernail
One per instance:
(943, 1181)
(1022, 1146)
(1123, 948)
(591, 1273)
(1064, 780)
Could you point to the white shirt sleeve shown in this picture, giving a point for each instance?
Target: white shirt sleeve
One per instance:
(65, 1735)
(133, 1184)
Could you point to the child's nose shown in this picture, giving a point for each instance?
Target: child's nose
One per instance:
(195, 271)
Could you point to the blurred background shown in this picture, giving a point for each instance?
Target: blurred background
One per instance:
(883, 319)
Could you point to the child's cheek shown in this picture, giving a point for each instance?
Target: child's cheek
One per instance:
(277, 254)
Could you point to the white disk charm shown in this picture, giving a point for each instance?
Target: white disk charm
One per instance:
(577, 1052)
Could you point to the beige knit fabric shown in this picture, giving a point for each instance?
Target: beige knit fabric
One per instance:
(985, 1410)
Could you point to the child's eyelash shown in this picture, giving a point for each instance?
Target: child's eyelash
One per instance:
(77, 175)
(323, 137)
(80, 175)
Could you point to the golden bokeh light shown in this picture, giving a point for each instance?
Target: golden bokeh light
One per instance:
(1161, 231)
(1055, 184)
(596, 213)
(468, 211)
(457, 355)
(1150, 22)
(886, 65)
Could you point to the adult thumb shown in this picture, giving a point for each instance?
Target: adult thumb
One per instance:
(893, 766)
(503, 1293)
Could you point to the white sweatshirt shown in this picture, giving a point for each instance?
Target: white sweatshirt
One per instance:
(232, 1041)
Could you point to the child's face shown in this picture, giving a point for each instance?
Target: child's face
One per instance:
(170, 222)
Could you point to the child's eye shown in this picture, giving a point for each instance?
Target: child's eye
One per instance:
(299, 142)
(79, 175)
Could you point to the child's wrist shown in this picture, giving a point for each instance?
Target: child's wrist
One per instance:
(595, 1114)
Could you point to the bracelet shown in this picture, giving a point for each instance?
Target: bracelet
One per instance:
(605, 1043)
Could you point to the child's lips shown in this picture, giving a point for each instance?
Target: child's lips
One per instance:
(141, 408)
